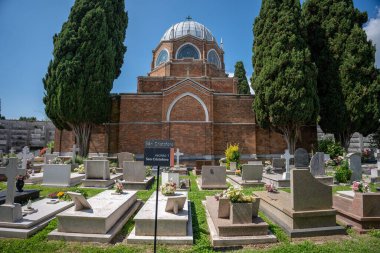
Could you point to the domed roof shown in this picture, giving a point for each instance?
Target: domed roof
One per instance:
(188, 27)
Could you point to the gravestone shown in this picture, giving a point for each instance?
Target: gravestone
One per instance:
(124, 157)
(175, 204)
(301, 158)
(252, 172)
(233, 166)
(134, 171)
(10, 211)
(170, 176)
(213, 177)
(278, 163)
(79, 200)
(355, 164)
(97, 169)
(177, 154)
(317, 164)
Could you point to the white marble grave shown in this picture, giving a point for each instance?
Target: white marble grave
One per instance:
(134, 176)
(59, 175)
(98, 174)
(170, 176)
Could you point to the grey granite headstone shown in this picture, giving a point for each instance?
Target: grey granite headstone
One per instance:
(214, 176)
(134, 171)
(301, 158)
(278, 163)
(355, 164)
(317, 165)
(252, 172)
(97, 169)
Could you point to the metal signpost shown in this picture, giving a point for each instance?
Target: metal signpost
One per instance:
(158, 153)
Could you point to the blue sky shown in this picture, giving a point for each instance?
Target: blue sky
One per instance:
(27, 28)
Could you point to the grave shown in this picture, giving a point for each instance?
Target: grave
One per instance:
(35, 178)
(355, 164)
(199, 164)
(301, 158)
(177, 154)
(97, 219)
(375, 172)
(170, 176)
(213, 177)
(172, 228)
(20, 222)
(317, 169)
(360, 211)
(98, 174)
(306, 211)
(59, 175)
(251, 176)
(134, 176)
(280, 180)
(278, 164)
(224, 232)
(20, 197)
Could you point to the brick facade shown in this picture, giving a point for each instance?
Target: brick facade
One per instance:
(190, 101)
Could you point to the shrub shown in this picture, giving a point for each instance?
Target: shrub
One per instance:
(343, 173)
(232, 154)
(329, 146)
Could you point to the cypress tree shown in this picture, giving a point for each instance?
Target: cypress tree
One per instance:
(284, 77)
(243, 86)
(329, 25)
(87, 57)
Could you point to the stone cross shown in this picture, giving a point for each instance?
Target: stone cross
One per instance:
(287, 156)
(75, 150)
(25, 156)
(11, 171)
(12, 151)
(178, 154)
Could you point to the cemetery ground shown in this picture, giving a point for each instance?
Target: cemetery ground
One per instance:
(352, 242)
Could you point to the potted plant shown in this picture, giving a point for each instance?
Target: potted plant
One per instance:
(232, 156)
(118, 187)
(168, 188)
(241, 208)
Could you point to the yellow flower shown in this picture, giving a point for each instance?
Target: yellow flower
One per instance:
(60, 194)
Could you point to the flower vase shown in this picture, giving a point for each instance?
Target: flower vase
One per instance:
(241, 213)
(19, 185)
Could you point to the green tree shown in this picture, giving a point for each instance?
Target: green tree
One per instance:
(329, 24)
(28, 118)
(87, 57)
(284, 77)
(243, 86)
(360, 87)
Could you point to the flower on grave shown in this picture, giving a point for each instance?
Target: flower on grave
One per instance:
(168, 188)
(60, 194)
(267, 163)
(270, 188)
(80, 169)
(238, 172)
(236, 195)
(119, 187)
(53, 195)
(56, 160)
(360, 187)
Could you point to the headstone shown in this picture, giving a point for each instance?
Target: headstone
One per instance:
(287, 156)
(355, 164)
(317, 164)
(134, 171)
(10, 211)
(79, 201)
(175, 204)
(233, 166)
(170, 176)
(252, 172)
(177, 154)
(301, 158)
(56, 175)
(213, 177)
(12, 151)
(125, 157)
(278, 163)
(97, 169)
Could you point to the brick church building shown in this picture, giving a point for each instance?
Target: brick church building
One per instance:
(186, 97)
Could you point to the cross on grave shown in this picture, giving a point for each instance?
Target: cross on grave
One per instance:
(24, 157)
(287, 156)
(74, 153)
(12, 151)
(11, 171)
(177, 154)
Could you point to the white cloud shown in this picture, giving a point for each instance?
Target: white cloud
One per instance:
(372, 28)
(231, 74)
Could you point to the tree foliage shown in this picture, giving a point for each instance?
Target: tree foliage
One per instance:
(87, 57)
(333, 27)
(243, 86)
(284, 77)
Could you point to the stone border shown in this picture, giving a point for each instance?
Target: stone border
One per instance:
(174, 240)
(231, 241)
(101, 238)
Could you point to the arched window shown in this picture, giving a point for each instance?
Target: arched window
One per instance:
(188, 51)
(163, 56)
(212, 57)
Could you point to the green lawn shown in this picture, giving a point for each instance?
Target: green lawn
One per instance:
(39, 242)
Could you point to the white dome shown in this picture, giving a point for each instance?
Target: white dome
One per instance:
(188, 27)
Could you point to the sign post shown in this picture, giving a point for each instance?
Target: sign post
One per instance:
(158, 153)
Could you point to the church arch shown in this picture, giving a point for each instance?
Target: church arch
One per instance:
(171, 106)
(162, 57)
(213, 57)
(188, 50)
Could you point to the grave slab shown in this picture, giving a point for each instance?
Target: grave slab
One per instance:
(277, 180)
(32, 223)
(361, 211)
(225, 234)
(244, 183)
(100, 183)
(306, 211)
(144, 185)
(108, 215)
(21, 197)
(36, 179)
(171, 228)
